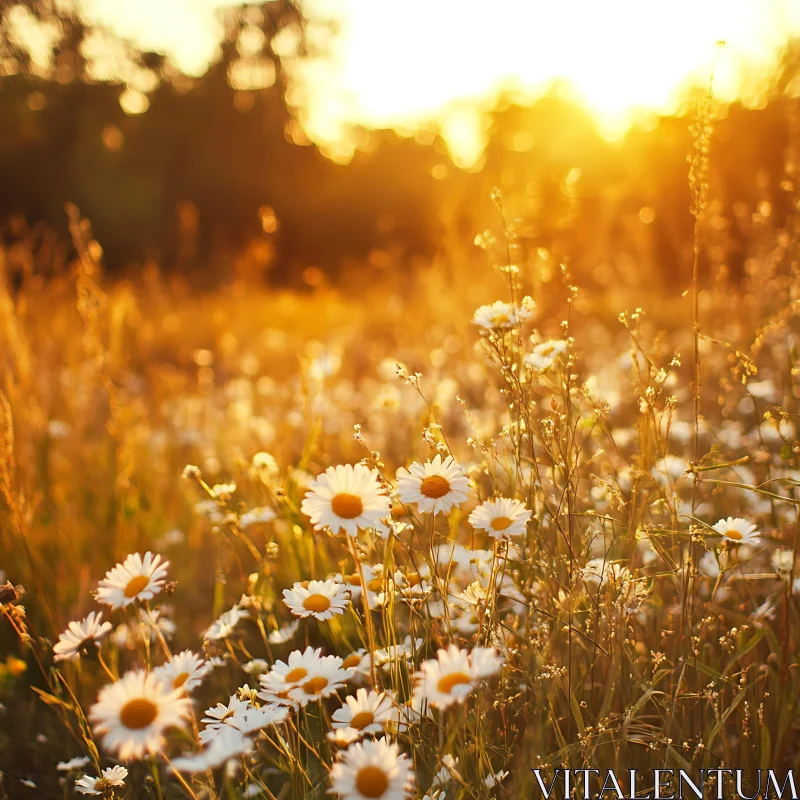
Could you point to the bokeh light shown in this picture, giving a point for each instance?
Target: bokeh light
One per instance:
(394, 64)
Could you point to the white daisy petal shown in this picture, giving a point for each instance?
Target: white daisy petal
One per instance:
(347, 499)
(136, 578)
(80, 637)
(133, 714)
(183, 671)
(737, 530)
(319, 599)
(372, 770)
(501, 518)
(435, 486)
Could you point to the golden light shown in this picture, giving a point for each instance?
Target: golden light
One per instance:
(401, 63)
(408, 63)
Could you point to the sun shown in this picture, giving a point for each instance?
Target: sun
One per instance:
(399, 64)
(409, 63)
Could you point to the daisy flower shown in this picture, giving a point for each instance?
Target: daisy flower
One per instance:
(413, 585)
(260, 514)
(709, 565)
(373, 577)
(395, 652)
(210, 510)
(671, 473)
(320, 599)
(284, 634)
(485, 662)
(736, 529)
(229, 743)
(283, 676)
(343, 736)
(256, 666)
(358, 664)
(490, 781)
(81, 637)
(156, 620)
(324, 679)
(221, 716)
(136, 578)
(183, 671)
(452, 675)
(544, 355)
(347, 498)
(782, 560)
(111, 778)
(501, 518)
(499, 316)
(266, 463)
(224, 625)
(372, 770)
(366, 712)
(253, 719)
(434, 486)
(79, 762)
(410, 713)
(133, 713)
(447, 772)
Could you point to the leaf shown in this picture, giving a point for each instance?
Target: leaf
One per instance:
(709, 467)
(576, 712)
(746, 648)
(52, 700)
(678, 759)
(756, 490)
(721, 721)
(700, 667)
(766, 747)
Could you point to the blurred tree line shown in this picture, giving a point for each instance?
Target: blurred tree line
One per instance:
(215, 177)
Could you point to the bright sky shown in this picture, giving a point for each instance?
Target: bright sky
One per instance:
(405, 62)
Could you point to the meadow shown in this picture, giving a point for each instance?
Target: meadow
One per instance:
(410, 535)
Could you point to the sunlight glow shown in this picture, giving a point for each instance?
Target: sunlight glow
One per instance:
(403, 63)
(410, 63)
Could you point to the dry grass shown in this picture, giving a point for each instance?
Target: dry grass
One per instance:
(633, 634)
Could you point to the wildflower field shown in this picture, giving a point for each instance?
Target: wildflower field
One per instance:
(375, 542)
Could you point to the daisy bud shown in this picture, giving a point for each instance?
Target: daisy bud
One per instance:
(10, 593)
(190, 471)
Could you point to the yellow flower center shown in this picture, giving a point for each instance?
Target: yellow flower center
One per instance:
(375, 585)
(353, 660)
(435, 486)
(138, 713)
(180, 680)
(347, 506)
(500, 319)
(315, 685)
(449, 682)
(500, 523)
(296, 674)
(135, 585)
(732, 533)
(371, 781)
(316, 602)
(353, 580)
(362, 719)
